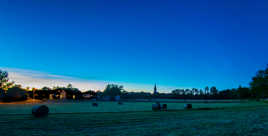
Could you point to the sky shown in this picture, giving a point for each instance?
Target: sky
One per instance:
(137, 43)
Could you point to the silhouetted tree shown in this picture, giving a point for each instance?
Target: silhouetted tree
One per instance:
(91, 92)
(228, 94)
(213, 90)
(4, 84)
(69, 86)
(44, 92)
(201, 92)
(113, 90)
(259, 84)
(195, 91)
(243, 92)
(3, 77)
(206, 90)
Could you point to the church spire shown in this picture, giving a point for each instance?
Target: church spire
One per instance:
(155, 89)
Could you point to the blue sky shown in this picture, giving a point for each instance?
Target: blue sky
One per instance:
(181, 44)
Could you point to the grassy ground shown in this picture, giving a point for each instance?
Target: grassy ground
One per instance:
(85, 107)
(251, 120)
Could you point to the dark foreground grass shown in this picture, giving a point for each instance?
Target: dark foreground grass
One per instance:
(250, 121)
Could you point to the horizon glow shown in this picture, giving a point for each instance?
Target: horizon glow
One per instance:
(36, 79)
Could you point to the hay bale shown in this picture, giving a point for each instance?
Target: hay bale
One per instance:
(40, 110)
(95, 104)
(188, 106)
(156, 107)
(164, 107)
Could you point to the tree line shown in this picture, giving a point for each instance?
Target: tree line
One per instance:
(258, 88)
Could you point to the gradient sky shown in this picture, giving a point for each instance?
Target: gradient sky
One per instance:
(182, 44)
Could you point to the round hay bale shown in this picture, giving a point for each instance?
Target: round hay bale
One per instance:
(164, 107)
(95, 104)
(156, 107)
(188, 106)
(40, 110)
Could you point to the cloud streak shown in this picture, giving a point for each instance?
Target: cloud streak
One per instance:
(29, 78)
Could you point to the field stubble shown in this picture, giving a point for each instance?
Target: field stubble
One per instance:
(232, 120)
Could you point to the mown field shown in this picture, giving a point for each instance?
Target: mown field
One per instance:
(86, 107)
(109, 118)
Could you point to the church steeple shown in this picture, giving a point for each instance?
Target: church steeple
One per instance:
(155, 89)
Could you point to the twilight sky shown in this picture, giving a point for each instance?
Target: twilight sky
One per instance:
(176, 44)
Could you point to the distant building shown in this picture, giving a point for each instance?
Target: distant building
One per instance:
(74, 97)
(16, 94)
(63, 94)
(51, 96)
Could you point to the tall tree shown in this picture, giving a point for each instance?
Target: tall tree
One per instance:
(213, 90)
(201, 92)
(3, 79)
(195, 91)
(243, 92)
(206, 90)
(69, 86)
(113, 90)
(259, 84)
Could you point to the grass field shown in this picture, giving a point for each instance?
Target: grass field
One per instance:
(85, 107)
(69, 119)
